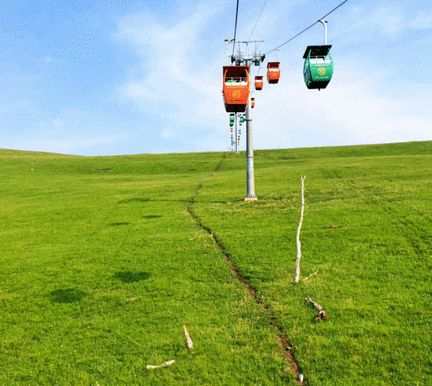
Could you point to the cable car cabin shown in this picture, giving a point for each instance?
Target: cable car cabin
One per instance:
(318, 66)
(253, 103)
(259, 82)
(273, 72)
(236, 88)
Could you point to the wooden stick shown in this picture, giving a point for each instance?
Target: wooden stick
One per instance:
(298, 258)
(165, 364)
(189, 342)
(321, 315)
(101, 170)
(308, 277)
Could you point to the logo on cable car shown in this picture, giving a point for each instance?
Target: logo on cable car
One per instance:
(321, 71)
(236, 94)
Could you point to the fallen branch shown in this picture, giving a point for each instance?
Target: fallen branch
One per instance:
(308, 277)
(298, 258)
(101, 170)
(165, 364)
(189, 342)
(321, 315)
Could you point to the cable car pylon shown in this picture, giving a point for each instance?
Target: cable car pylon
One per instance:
(237, 99)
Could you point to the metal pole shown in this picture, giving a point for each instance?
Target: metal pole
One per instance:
(250, 178)
(236, 141)
(324, 23)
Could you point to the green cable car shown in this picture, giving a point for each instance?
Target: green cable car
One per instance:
(318, 66)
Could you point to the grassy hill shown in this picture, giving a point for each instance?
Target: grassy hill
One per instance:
(104, 259)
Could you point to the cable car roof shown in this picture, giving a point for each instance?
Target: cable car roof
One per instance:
(317, 51)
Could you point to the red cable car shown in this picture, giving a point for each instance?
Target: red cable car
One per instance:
(259, 83)
(236, 88)
(253, 103)
(273, 72)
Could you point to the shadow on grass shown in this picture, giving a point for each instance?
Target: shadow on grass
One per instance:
(134, 199)
(118, 224)
(151, 216)
(67, 295)
(232, 200)
(130, 277)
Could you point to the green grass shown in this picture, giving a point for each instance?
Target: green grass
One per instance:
(100, 270)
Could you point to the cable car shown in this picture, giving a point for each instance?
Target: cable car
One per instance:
(231, 119)
(259, 82)
(253, 103)
(318, 66)
(236, 88)
(273, 72)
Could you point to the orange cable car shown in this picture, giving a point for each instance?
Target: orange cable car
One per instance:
(273, 72)
(253, 103)
(236, 88)
(259, 82)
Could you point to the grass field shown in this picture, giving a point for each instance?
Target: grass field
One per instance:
(102, 264)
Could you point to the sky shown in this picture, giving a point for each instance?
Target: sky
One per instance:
(102, 77)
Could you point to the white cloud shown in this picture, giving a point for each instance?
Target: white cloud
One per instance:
(167, 53)
(168, 134)
(65, 145)
(362, 22)
(71, 131)
(421, 21)
(176, 78)
(353, 109)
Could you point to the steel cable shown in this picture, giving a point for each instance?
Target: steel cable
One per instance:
(257, 20)
(235, 27)
(307, 28)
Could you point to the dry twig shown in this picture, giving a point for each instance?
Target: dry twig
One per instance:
(165, 364)
(321, 315)
(101, 170)
(298, 258)
(308, 277)
(189, 342)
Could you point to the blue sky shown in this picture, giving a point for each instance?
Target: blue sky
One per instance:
(119, 76)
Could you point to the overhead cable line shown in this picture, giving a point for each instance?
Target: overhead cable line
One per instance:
(308, 28)
(235, 27)
(257, 20)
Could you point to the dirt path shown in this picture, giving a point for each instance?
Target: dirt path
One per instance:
(283, 341)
